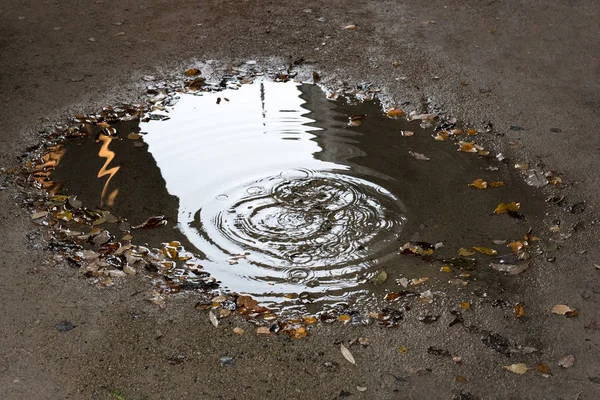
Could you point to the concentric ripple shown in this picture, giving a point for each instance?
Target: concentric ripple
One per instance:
(320, 222)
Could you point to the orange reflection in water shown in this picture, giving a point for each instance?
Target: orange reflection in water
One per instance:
(109, 155)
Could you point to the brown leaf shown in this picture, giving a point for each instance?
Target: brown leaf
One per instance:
(479, 184)
(544, 369)
(263, 330)
(238, 331)
(192, 72)
(395, 112)
(519, 310)
(465, 252)
(152, 223)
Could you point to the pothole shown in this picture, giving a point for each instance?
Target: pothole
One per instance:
(281, 193)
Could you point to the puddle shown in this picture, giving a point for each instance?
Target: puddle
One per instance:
(279, 197)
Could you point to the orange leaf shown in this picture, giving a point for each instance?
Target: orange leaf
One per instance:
(519, 310)
(395, 112)
(506, 207)
(479, 184)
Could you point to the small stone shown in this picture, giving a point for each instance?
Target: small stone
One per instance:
(226, 361)
(64, 326)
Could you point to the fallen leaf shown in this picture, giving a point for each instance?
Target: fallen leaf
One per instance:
(441, 136)
(544, 370)
(152, 223)
(213, 319)
(419, 156)
(39, 215)
(350, 27)
(446, 268)
(511, 269)
(472, 132)
(407, 133)
(465, 305)
(517, 368)
(310, 320)
(506, 207)
(395, 112)
(379, 278)
(192, 72)
(495, 184)
(402, 349)
(361, 388)
(479, 184)
(485, 250)
(418, 281)
(347, 355)
(460, 379)
(344, 318)
(465, 252)
(134, 136)
(566, 361)
(561, 309)
(519, 310)
(238, 330)
(516, 246)
(263, 330)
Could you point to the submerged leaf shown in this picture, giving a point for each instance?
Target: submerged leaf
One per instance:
(347, 355)
(379, 278)
(419, 156)
(486, 250)
(465, 252)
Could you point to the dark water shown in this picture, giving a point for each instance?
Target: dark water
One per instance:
(287, 202)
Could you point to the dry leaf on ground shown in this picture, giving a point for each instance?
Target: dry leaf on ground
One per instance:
(419, 156)
(517, 368)
(566, 361)
(347, 355)
(213, 319)
(561, 309)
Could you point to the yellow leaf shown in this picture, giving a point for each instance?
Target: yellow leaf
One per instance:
(485, 250)
(38, 215)
(298, 333)
(495, 184)
(506, 207)
(517, 368)
(467, 147)
(395, 112)
(310, 320)
(465, 305)
(465, 252)
(418, 281)
(479, 184)
(345, 318)
(402, 349)
(471, 132)
(446, 268)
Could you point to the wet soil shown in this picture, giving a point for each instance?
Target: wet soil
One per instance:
(495, 61)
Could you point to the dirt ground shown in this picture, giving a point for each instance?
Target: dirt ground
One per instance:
(528, 64)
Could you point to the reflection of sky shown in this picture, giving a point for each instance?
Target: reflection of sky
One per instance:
(206, 149)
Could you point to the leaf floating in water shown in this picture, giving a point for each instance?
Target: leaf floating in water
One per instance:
(134, 136)
(485, 250)
(407, 133)
(479, 184)
(152, 223)
(379, 278)
(517, 368)
(356, 120)
(347, 355)
(419, 156)
(192, 72)
(213, 319)
(462, 252)
(503, 208)
(417, 248)
(441, 136)
(566, 361)
(536, 178)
